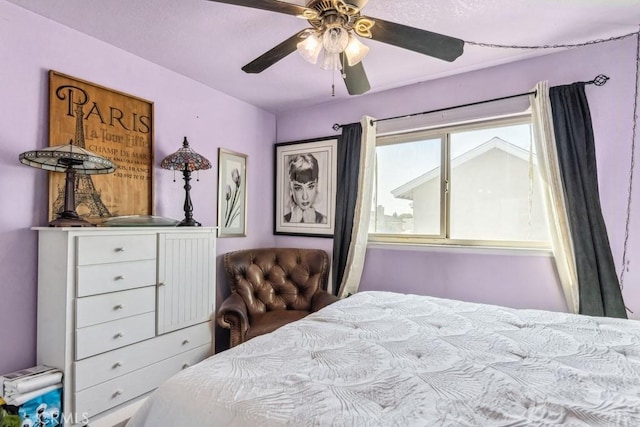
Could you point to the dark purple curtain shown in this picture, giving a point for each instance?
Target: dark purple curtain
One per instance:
(599, 289)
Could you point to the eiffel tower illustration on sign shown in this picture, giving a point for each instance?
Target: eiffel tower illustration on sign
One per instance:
(86, 193)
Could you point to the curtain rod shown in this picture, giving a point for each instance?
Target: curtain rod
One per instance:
(599, 80)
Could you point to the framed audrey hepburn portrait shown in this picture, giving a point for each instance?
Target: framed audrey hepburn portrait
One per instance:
(305, 187)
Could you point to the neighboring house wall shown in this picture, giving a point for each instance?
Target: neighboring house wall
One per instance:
(483, 202)
(478, 189)
(426, 207)
(493, 196)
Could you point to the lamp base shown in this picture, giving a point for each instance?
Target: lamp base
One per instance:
(69, 219)
(190, 222)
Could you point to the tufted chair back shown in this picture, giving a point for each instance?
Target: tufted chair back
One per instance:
(271, 287)
(277, 279)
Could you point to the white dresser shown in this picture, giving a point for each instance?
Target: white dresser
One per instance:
(121, 309)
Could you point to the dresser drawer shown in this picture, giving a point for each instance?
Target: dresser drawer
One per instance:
(102, 397)
(103, 278)
(107, 249)
(97, 369)
(111, 335)
(115, 305)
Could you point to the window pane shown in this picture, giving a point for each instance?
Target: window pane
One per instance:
(494, 189)
(407, 188)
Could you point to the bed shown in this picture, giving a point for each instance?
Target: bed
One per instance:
(389, 359)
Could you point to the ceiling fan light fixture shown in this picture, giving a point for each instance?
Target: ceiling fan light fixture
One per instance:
(333, 23)
(335, 40)
(310, 48)
(344, 8)
(331, 61)
(363, 26)
(309, 14)
(355, 50)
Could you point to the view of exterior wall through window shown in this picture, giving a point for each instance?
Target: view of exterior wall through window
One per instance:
(470, 184)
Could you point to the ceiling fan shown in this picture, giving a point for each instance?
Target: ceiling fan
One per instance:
(333, 24)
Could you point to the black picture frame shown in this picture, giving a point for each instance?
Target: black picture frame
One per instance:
(311, 210)
(232, 193)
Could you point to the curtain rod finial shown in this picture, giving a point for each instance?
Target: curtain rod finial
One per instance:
(600, 80)
(336, 127)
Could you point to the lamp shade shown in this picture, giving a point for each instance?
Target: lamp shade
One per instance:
(355, 51)
(73, 161)
(310, 48)
(332, 42)
(185, 159)
(61, 158)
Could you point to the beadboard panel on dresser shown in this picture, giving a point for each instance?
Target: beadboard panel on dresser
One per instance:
(183, 273)
(121, 309)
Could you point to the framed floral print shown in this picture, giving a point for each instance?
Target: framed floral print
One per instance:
(232, 194)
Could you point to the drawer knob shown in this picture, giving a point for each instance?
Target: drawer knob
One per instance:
(117, 365)
(119, 335)
(118, 307)
(185, 342)
(121, 249)
(120, 277)
(117, 393)
(185, 366)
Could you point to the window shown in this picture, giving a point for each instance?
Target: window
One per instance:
(473, 184)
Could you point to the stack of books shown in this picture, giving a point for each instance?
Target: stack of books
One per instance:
(31, 397)
(21, 386)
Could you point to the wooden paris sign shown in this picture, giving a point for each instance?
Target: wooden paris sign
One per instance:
(111, 124)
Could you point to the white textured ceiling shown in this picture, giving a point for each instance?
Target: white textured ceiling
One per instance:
(209, 42)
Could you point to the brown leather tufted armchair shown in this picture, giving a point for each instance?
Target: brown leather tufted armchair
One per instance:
(271, 287)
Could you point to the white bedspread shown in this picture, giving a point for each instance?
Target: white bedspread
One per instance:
(386, 359)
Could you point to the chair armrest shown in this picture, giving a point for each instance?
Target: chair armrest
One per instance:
(232, 315)
(322, 299)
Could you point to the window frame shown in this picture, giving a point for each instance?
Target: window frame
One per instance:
(443, 132)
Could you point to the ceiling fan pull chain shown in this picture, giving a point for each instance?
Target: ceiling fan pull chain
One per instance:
(343, 72)
(333, 83)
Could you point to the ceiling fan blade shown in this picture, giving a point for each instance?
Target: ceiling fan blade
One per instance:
(271, 5)
(421, 41)
(355, 78)
(274, 55)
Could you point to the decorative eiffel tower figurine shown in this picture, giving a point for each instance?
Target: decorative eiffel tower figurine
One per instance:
(85, 192)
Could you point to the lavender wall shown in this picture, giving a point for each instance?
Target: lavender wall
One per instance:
(31, 46)
(500, 278)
